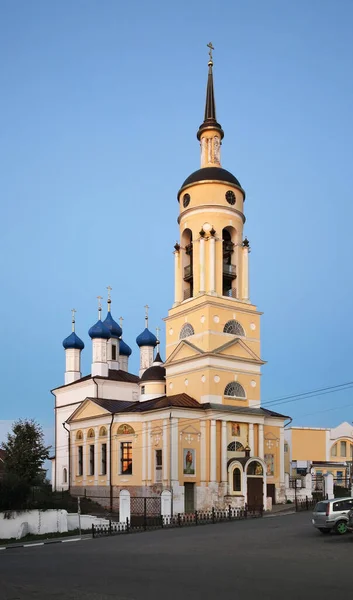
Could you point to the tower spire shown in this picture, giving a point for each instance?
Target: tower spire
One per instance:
(109, 301)
(73, 310)
(210, 120)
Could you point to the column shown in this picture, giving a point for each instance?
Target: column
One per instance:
(108, 456)
(251, 439)
(261, 441)
(213, 452)
(212, 282)
(165, 450)
(84, 458)
(144, 452)
(224, 452)
(149, 453)
(97, 467)
(174, 435)
(203, 457)
(281, 456)
(177, 277)
(202, 265)
(245, 273)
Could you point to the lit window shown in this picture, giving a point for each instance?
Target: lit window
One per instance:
(234, 328)
(343, 448)
(126, 458)
(236, 480)
(235, 390)
(186, 330)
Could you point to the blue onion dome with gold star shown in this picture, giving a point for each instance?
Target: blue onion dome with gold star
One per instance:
(124, 349)
(73, 341)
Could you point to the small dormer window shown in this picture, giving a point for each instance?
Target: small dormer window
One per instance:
(142, 389)
(113, 352)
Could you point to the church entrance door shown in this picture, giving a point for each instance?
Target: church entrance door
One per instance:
(189, 497)
(255, 492)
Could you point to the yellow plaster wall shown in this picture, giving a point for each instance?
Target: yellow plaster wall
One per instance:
(308, 444)
(272, 433)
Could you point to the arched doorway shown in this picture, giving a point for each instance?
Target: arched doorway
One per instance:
(255, 484)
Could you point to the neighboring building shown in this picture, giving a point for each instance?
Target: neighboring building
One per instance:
(320, 451)
(193, 424)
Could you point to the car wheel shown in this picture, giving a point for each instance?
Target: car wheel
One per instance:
(323, 530)
(341, 527)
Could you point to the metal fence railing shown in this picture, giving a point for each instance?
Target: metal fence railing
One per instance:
(198, 517)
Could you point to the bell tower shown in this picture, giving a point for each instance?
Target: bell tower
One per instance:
(212, 330)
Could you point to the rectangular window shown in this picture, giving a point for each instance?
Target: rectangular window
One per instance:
(113, 352)
(159, 465)
(126, 458)
(351, 451)
(80, 461)
(142, 389)
(339, 477)
(91, 459)
(343, 449)
(104, 459)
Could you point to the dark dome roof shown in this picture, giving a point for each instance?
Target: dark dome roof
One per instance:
(154, 373)
(211, 173)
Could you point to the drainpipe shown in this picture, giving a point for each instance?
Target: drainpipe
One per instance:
(289, 422)
(94, 381)
(110, 461)
(170, 464)
(69, 456)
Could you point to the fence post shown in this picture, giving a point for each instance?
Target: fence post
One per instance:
(213, 515)
(145, 513)
(196, 523)
(110, 527)
(307, 503)
(92, 530)
(245, 511)
(127, 525)
(229, 513)
(179, 520)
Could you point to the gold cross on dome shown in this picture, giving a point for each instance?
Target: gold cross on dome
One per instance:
(99, 298)
(121, 322)
(209, 45)
(73, 310)
(109, 290)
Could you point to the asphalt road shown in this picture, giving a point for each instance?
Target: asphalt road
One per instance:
(270, 558)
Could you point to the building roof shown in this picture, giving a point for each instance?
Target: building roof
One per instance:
(210, 120)
(211, 174)
(113, 375)
(154, 373)
(73, 342)
(99, 331)
(113, 406)
(112, 326)
(244, 409)
(146, 338)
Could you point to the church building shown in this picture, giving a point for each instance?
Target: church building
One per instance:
(193, 423)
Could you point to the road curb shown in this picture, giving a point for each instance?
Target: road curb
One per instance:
(280, 514)
(44, 543)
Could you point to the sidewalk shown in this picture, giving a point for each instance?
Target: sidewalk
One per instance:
(280, 509)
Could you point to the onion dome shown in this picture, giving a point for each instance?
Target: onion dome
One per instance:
(154, 373)
(124, 349)
(99, 331)
(73, 342)
(113, 326)
(146, 338)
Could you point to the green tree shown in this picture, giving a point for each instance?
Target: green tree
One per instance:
(26, 452)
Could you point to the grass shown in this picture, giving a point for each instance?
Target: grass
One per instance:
(31, 537)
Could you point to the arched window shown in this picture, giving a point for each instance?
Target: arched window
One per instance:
(90, 433)
(186, 330)
(79, 435)
(334, 450)
(64, 475)
(102, 432)
(255, 468)
(235, 390)
(234, 328)
(236, 480)
(235, 447)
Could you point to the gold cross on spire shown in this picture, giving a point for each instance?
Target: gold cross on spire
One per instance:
(158, 329)
(146, 314)
(209, 45)
(109, 296)
(73, 310)
(99, 298)
(121, 322)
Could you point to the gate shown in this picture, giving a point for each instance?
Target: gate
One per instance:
(319, 492)
(145, 510)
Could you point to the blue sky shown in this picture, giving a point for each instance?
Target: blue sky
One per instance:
(99, 108)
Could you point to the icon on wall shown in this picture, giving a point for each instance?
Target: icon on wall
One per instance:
(236, 429)
(189, 461)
